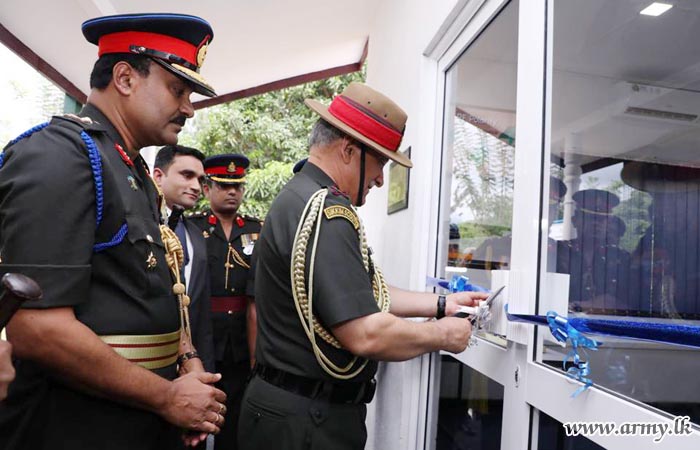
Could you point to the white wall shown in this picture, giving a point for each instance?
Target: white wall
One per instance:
(403, 243)
(396, 66)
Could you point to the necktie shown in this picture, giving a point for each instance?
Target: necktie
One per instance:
(180, 232)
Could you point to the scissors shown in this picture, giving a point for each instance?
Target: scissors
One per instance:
(478, 314)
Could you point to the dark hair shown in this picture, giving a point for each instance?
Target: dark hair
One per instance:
(102, 70)
(167, 154)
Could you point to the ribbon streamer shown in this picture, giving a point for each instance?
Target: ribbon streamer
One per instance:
(564, 329)
(458, 283)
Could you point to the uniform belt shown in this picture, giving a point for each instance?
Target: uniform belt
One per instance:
(153, 351)
(345, 392)
(229, 304)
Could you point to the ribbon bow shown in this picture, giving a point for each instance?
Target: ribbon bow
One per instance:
(563, 331)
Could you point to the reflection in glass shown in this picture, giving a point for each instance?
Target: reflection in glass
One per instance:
(480, 151)
(624, 239)
(553, 437)
(470, 410)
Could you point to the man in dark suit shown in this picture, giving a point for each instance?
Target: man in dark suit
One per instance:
(179, 172)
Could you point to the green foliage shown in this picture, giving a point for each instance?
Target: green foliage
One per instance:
(482, 175)
(635, 213)
(468, 230)
(271, 129)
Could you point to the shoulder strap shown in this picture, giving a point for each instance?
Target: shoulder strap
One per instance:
(81, 127)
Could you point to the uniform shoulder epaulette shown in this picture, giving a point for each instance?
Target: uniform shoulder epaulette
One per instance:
(252, 219)
(84, 122)
(196, 214)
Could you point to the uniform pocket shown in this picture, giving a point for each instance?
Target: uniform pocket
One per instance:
(145, 238)
(260, 409)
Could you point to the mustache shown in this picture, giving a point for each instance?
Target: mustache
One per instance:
(180, 120)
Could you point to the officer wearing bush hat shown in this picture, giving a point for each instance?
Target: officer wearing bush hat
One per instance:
(231, 239)
(97, 355)
(324, 309)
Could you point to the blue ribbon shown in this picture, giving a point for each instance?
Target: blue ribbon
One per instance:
(563, 331)
(572, 330)
(458, 283)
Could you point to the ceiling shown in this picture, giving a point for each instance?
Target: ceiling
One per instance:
(258, 45)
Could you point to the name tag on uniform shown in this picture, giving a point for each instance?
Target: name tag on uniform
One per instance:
(248, 242)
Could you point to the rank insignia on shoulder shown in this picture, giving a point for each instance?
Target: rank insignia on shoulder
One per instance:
(334, 211)
(337, 192)
(85, 120)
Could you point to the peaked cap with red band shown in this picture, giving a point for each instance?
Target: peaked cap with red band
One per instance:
(178, 42)
(368, 116)
(226, 169)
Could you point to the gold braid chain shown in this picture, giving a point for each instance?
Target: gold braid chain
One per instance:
(237, 257)
(175, 257)
(303, 300)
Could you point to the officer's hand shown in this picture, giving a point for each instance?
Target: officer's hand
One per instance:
(454, 301)
(7, 372)
(193, 438)
(195, 404)
(191, 365)
(457, 333)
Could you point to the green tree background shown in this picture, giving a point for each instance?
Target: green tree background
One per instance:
(271, 129)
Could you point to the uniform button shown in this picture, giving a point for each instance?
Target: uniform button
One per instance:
(230, 312)
(149, 238)
(317, 413)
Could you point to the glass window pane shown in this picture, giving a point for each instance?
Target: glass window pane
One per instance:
(471, 409)
(624, 191)
(480, 152)
(552, 436)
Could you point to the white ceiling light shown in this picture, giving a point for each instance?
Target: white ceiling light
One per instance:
(656, 9)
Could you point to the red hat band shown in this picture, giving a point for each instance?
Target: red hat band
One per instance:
(365, 122)
(122, 42)
(224, 170)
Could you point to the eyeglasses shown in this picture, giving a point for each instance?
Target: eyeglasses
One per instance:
(381, 159)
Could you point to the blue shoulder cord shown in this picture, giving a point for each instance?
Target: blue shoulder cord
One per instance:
(96, 165)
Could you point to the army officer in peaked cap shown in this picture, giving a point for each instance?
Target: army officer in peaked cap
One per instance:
(599, 268)
(325, 313)
(102, 360)
(230, 240)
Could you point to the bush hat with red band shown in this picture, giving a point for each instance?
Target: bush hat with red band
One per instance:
(178, 42)
(226, 169)
(368, 116)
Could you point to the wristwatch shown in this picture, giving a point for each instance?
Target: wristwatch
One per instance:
(441, 302)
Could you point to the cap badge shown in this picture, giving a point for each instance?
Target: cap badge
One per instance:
(231, 167)
(202, 51)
